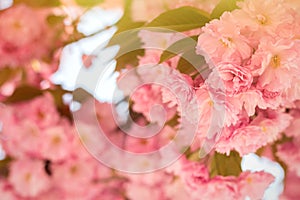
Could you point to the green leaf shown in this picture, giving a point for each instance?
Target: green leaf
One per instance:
(179, 47)
(225, 165)
(130, 48)
(181, 19)
(4, 167)
(88, 3)
(127, 39)
(39, 3)
(130, 58)
(223, 6)
(190, 63)
(24, 93)
(274, 149)
(54, 19)
(124, 25)
(174, 121)
(62, 108)
(7, 73)
(126, 22)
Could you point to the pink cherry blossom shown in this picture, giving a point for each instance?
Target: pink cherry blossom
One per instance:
(58, 143)
(253, 185)
(199, 185)
(146, 97)
(261, 17)
(230, 78)
(7, 192)
(24, 35)
(291, 188)
(74, 176)
(289, 153)
(40, 110)
(149, 186)
(28, 177)
(249, 137)
(279, 62)
(222, 41)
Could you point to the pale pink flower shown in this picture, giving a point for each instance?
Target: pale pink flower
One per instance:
(216, 109)
(279, 63)
(251, 99)
(254, 185)
(230, 78)
(29, 139)
(58, 143)
(74, 175)
(51, 194)
(293, 129)
(148, 96)
(143, 145)
(248, 138)
(293, 93)
(193, 174)
(178, 93)
(147, 186)
(176, 190)
(41, 111)
(221, 41)
(24, 35)
(290, 30)
(289, 153)
(291, 187)
(7, 192)
(218, 188)
(105, 117)
(28, 177)
(199, 185)
(206, 108)
(262, 17)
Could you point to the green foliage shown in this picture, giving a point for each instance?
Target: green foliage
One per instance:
(62, 108)
(130, 58)
(8, 73)
(283, 140)
(39, 3)
(130, 48)
(189, 61)
(181, 19)
(179, 47)
(88, 3)
(24, 93)
(54, 20)
(223, 165)
(224, 5)
(129, 42)
(27, 92)
(126, 22)
(4, 167)
(174, 121)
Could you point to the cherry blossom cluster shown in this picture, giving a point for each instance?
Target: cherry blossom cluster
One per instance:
(246, 91)
(48, 160)
(253, 53)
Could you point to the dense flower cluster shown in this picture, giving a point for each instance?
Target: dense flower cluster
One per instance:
(243, 98)
(48, 159)
(253, 53)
